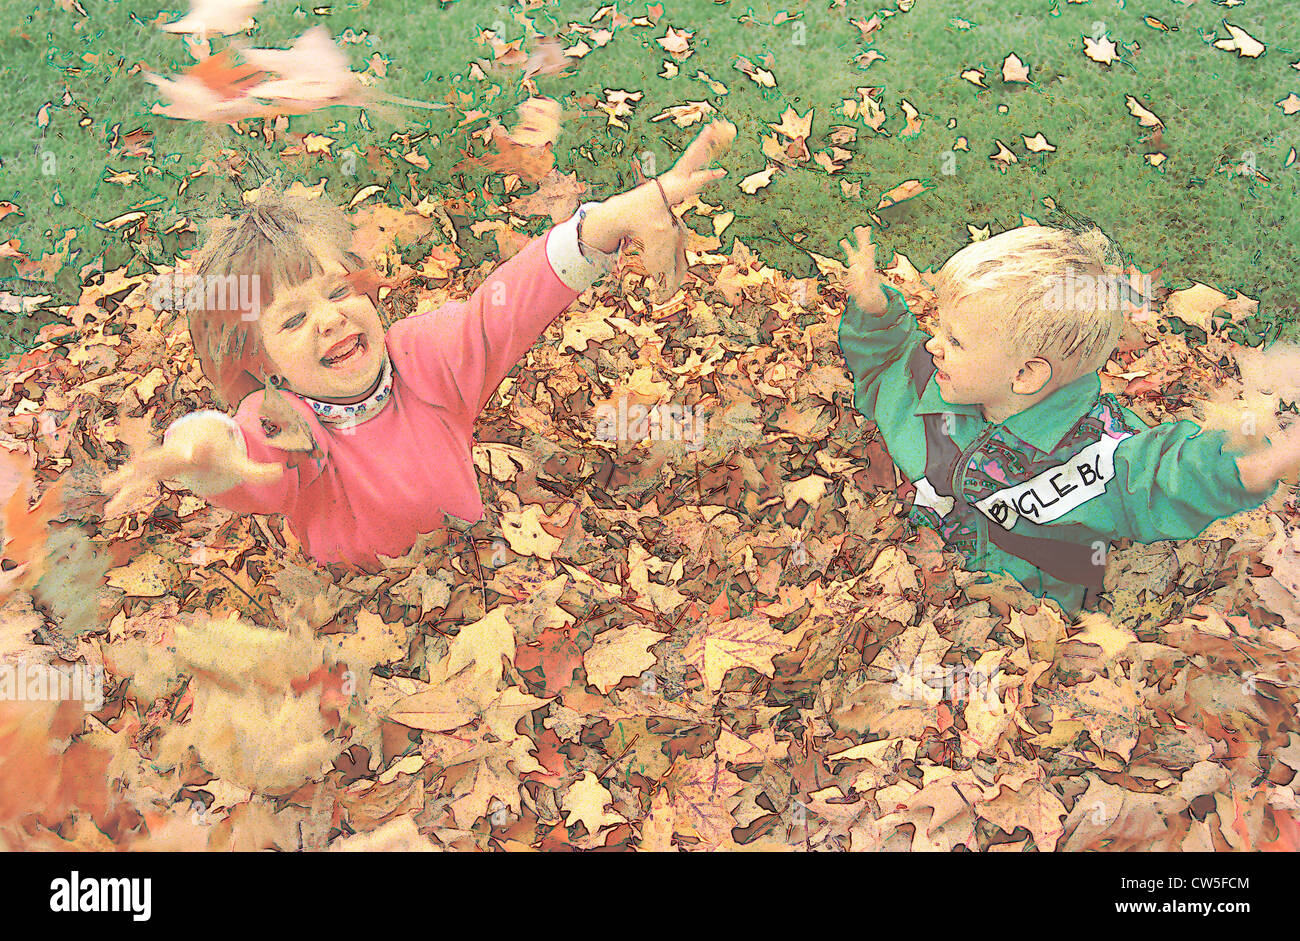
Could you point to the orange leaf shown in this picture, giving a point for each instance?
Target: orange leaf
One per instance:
(945, 717)
(228, 80)
(1288, 835)
(26, 531)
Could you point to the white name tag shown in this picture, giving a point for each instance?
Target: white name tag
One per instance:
(1056, 491)
(926, 495)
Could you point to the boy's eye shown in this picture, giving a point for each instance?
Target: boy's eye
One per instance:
(295, 320)
(340, 293)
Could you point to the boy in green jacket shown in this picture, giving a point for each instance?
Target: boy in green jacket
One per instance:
(1018, 460)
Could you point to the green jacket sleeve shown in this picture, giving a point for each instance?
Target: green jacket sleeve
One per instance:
(871, 343)
(1172, 480)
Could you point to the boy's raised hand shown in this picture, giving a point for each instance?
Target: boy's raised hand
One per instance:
(863, 280)
(1279, 460)
(202, 451)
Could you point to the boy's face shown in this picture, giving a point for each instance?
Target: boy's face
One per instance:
(974, 366)
(316, 320)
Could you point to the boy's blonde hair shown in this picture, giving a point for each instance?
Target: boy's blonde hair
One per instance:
(267, 239)
(1058, 290)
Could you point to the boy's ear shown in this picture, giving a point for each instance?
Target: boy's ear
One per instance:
(1033, 377)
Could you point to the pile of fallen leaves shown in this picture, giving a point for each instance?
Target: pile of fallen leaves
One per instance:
(723, 639)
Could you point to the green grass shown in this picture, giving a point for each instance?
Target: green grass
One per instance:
(1192, 217)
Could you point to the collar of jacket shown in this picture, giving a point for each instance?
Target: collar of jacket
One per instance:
(1043, 425)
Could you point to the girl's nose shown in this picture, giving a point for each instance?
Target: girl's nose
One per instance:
(331, 319)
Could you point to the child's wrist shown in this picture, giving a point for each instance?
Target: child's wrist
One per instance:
(871, 298)
(601, 228)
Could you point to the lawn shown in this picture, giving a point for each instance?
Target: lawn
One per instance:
(1204, 195)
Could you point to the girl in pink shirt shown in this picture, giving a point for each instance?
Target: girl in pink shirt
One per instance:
(371, 435)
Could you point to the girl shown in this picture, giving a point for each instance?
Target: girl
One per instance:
(362, 439)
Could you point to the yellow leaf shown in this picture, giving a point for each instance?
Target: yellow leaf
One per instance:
(1102, 632)
(757, 181)
(146, 576)
(810, 489)
(740, 642)
(586, 801)
(373, 643)
(1013, 70)
(523, 530)
(620, 653)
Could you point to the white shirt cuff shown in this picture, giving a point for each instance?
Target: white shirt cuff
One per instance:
(577, 271)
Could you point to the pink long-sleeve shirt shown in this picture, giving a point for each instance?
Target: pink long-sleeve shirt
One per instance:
(376, 487)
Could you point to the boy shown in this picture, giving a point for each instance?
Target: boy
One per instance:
(1019, 461)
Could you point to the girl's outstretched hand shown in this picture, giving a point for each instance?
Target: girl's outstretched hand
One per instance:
(651, 223)
(201, 451)
(688, 176)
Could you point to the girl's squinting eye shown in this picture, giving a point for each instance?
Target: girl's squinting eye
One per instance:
(299, 318)
(340, 292)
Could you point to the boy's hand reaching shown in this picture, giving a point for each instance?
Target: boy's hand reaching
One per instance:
(203, 451)
(863, 280)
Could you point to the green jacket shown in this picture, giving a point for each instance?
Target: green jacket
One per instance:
(1170, 481)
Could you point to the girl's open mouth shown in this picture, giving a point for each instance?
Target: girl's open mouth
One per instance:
(348, 354)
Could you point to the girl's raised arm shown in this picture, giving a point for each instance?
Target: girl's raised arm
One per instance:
(461, 352)
(458, 355)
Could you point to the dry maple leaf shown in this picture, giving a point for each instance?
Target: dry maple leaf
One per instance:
(214, 90)
(702, 793)
(539, 123)
(1099, 50)
(1034, 807)
(41, 777)
(719, 646)
(618, 654)
(1014, 70)
(551, 662)
(587, 801)
(1240, 41)
(26, 531)
(531, 163)
(313, 74)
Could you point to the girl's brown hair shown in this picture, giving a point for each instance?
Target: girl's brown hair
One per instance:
(267, 241)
